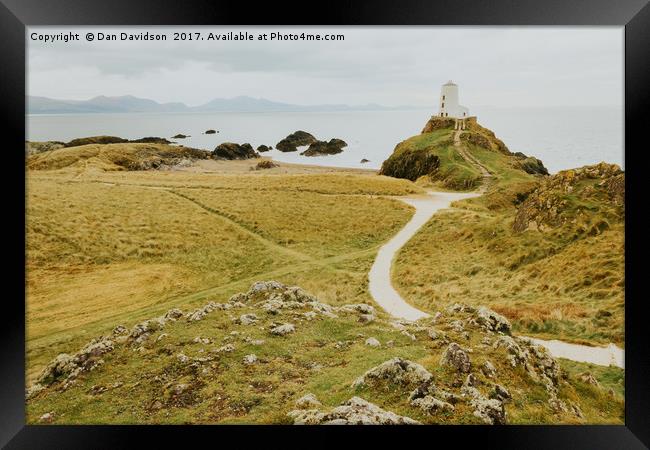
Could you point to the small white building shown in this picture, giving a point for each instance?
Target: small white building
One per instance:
(449, 106)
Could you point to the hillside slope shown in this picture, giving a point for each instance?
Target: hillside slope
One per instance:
(431, 156)
(276, 354)
(549, 255)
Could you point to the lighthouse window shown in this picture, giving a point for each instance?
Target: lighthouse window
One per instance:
(443, 104)
(443, 97)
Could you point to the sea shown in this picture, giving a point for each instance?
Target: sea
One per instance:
(562, 137)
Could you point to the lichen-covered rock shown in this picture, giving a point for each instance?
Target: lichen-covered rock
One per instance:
(488, 369)
(397, 371)
(355, 411)
(559, 200)
(231, 150)
(372, 342)
(248, 319)
(490, 411)
(250, 359)
(454, 356)
(283, 330)
(431, 404)
(308, 401)
(492, 321)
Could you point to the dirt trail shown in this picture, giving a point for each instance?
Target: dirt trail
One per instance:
(382, 291)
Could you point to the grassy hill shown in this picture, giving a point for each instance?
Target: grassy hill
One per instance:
(106, 246)
(252, 359)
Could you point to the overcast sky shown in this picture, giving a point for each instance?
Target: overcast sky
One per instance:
(387, 65)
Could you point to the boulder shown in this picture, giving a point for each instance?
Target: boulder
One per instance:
(266, 164)
(364, 160)
(355, 411)
(295, 140)
(283, 330)
(431, 404)
(230, 151)
(395, 371)
(250, 359)
(456, 357)
(492, 321)
(210, 131)
(372, 342)
(321, 148)
(179, 136)
(264, 148)
(308, 401)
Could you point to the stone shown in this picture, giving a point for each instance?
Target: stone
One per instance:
(372, 342)
(250, 359)
(431, 404)
(308, 401)
(492, 321)
(488, 369)
(587, 377)
(248, 319)
(456, 357)
(490, 411)
(395, 370)
(500, 393)
(355, 411)
(231, 150)
(283, 330)
(47, 417)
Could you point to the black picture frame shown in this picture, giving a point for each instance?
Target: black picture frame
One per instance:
(15, 15)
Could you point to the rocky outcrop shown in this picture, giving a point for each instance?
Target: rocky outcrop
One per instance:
(34, 148)
(355, 411)
(151, 140)
(96, 140)
(438, 123)
(230, 150)
(395, 371)
(530, 164)
(587, 199)
(455, 357)
(322, 148)
(266, 164)
(264, 148)
(295, 140)
(410, 164)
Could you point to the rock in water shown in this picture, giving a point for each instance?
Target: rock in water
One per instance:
(179, 136)
(230, 150)
(264, 148)
(210, 131)
(295, 140)
(321, 148)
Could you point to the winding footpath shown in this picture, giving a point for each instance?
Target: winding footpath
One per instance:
(382, 291)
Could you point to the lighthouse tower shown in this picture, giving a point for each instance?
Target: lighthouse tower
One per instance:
(449, 106)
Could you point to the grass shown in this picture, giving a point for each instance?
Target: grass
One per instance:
(109, 247)
(324, 356)
(565, 283)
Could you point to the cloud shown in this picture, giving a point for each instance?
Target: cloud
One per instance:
(391, 65)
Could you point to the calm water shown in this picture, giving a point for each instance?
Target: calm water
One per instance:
(561, 137)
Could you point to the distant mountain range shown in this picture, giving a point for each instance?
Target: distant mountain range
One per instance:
(131, 104)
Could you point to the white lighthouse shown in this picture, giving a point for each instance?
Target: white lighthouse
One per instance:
(449, 106)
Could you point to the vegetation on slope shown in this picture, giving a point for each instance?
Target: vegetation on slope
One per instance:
(548, 255)
(107, 246)
(122, 156)
(251, 358)
(432, 156)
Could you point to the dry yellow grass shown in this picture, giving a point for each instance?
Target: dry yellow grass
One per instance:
(113, 247)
